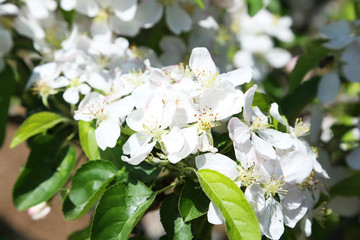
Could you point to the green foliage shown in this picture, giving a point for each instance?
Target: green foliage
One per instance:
(263, 101)
(200, 3)
(348, 187)
(119, 210)
(144, 171)
(36, 123)
(193, 202)
(175, 226)
(240, 219)
(87, 140)
(254, 6)
(82, 234)
(7, 83)
(45, 172)
(293, 103)
(306, 62)
(88, 184)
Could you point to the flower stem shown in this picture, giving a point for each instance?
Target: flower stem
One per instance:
(170, 186)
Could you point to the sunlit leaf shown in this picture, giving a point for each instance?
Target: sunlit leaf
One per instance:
(119, 210)
(240, 219)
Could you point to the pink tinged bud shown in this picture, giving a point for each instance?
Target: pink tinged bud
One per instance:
(39, 211)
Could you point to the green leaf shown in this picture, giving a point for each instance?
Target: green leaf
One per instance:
(46, 171)
(35, 124)
(119, 210)
(82, 234)
(88, 184)
(262, 101)
(240, 219)
(7, 84)
(175, 227)
(348, 187)
(143, 171)
(293, 104)
(193, 202)
(87, 140)
(306, 62)
(254, 6)
(200, 3)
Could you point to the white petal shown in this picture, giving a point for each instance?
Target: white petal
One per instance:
(272, 219)
(124, 28)
(238, 131)
(37, 9)
(8, 9)
(201, 61)
(274, 111)
(139, 147)
(249, 97)
(291, 217)
(293, 198)
(149, 13)
(352, 72)
(296, 167)
(328, 88)
(71, 95)
(339, 34)
(277, 139)
(217, 162)
(353, 159)
(264, 148)
(107, 133)
(87, 7)
(243, 59)
(125, 10)
(214, 215)
(6, 42)
(238, 77)
(174, 140)
(177, 19)
(68, 5)
(278, 57)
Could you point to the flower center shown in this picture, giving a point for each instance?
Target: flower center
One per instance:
(207, 79)
(274, 186)
(247, 176)
(300, 128)
(152, 128)
(310, 182)
(206, 119)
(43, 88)
(259, 123)
(97, 109)
(74, 82)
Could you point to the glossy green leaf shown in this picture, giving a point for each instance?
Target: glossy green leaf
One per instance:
(254, 6)
(306, 62)
(35, 124)
(240, 219)
(87, 140)
(348, 187)
(88, 184)
(82, 234)
(295, 102)
(193, 202)
(46, 171)
(7, 83)
(119, 210)
(143, 171)
(175, 227)
(262, 101)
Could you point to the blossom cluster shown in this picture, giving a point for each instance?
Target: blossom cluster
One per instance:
(173, 112)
